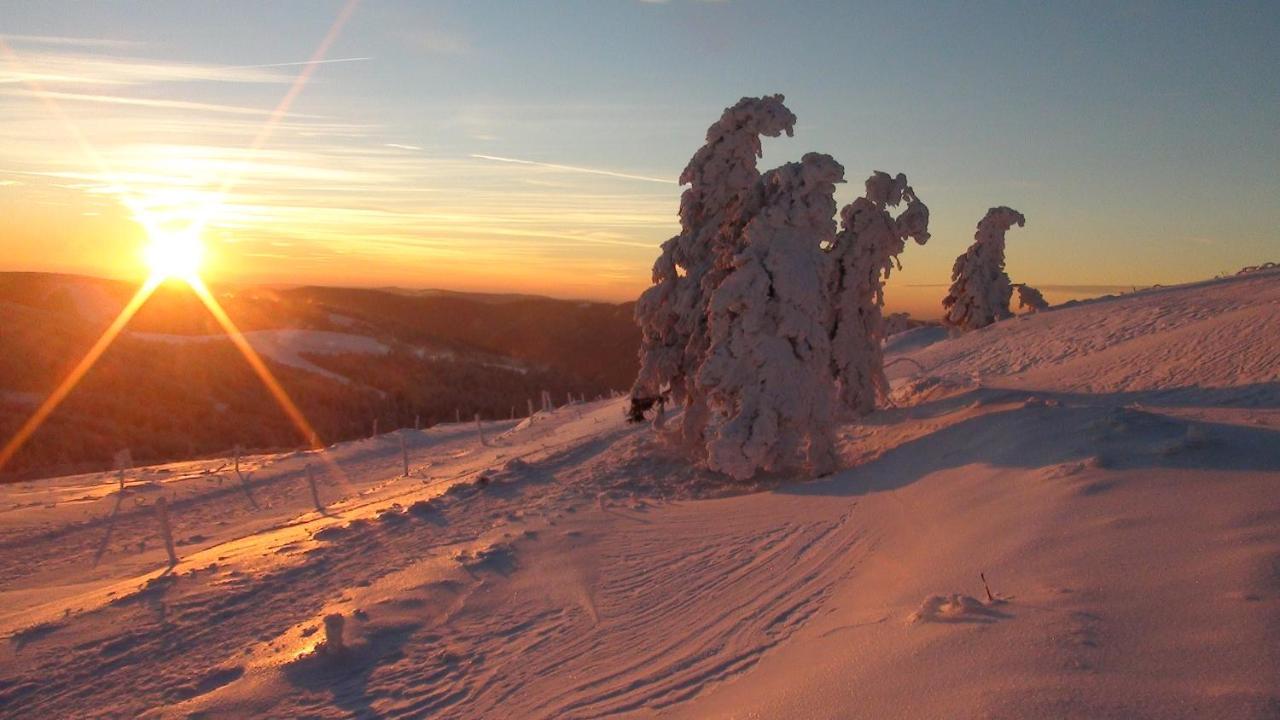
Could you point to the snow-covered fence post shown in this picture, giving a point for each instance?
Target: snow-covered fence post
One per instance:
(417, 422)
(244, 482)
(315, 491)
(375, 428)
(529, 401)
(513, 412)
(480, 430)
(457, 415)
(123, 462)
(333, 623)
(166, 532)
(404, 455)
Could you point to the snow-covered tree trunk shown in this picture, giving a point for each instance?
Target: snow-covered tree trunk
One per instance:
(766, 376)
(722, 177)
(864, 254)
(1030, 298)
(980, 288)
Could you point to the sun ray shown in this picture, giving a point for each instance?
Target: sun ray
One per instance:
(259, 367)
(60, 393)
(282, 107)
(176, 257)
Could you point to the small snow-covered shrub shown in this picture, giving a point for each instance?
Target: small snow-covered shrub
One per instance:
(766, 375)
(1030, 298)
(864, 254)
(980, 288)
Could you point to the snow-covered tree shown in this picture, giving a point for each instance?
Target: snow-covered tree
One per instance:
(980, 288)
(766, 376)
(1030, 298)
(864, 254)
(722, 178)
(895, 323)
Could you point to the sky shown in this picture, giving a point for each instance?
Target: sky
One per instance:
(534, 146)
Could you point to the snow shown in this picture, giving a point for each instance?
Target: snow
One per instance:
(767, 372)
(288, 346)
(1112, 468)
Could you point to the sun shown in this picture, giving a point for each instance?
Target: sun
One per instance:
(174, 255)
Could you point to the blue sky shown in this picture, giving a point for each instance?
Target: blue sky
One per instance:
(1141, 140)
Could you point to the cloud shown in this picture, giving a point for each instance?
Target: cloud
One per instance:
(573, 168)
(138, 102)
(402, 147)
(436, 41)
(67, 41)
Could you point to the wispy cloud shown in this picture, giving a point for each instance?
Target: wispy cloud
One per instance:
(66, 41)
(137, 102)
(93, 69)
(400, 146)
(299, 62)
(574, 168)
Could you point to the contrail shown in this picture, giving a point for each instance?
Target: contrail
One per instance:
(299, 62)
(572, 168)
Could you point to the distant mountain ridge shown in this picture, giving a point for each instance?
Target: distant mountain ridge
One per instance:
(447, 355)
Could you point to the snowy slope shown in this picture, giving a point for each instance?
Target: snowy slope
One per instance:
(288, 346)
(1113, 468)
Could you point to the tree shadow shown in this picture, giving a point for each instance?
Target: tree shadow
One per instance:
(1069, 427)
(345, 675)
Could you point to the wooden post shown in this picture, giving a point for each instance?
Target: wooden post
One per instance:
(123, 461)
(315, 491)
(404, 455)
(162, 511)
(480, 429)
(457, 415)
(513, 412)
(375, 428)
(530, 402)
(417, 422)
(244, 482)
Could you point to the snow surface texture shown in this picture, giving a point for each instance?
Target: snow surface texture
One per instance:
(980, 289)
(863, 256)
(766, 374)
(1113, 467)
(722, 176)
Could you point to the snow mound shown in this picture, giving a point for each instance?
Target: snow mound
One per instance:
(956, 608)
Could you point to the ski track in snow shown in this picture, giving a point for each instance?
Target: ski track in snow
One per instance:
(1112, 467)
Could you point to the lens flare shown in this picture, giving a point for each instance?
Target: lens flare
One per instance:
(174, 255)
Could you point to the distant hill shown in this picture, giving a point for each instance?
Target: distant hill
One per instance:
(173, 386)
